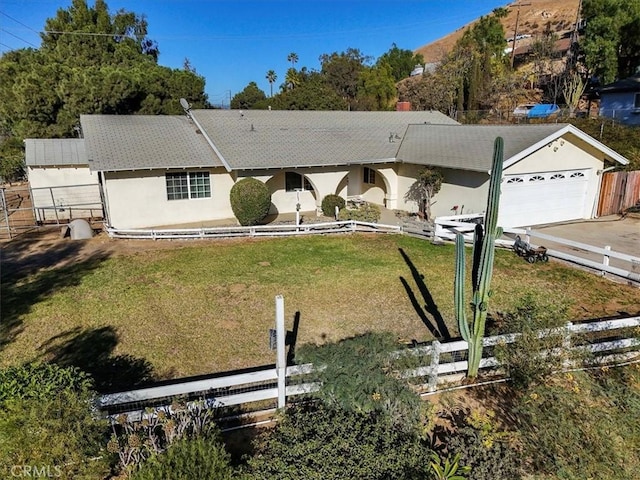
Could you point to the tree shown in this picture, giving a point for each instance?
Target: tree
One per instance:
(271, 78)
(401, 62)
(110, 68)
(376, 88)
(342, 72)
(611, 42)
(249, 97)
(313, 93)
(572, 90)
(11, 159)
(292, 80)
(426, 186)
(293, 58)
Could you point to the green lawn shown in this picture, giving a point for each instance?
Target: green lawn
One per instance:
(207, 307)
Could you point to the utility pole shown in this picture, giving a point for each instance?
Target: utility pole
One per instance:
(515, 31)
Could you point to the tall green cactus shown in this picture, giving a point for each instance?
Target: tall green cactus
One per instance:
(484, 239)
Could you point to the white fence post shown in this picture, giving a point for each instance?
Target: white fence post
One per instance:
(566, 344)
(605, 260)
(436, 346)
(281, 358)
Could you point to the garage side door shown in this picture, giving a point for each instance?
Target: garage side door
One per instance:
(546, 197)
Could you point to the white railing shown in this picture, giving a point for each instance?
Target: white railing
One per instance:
(597, 258)
(254, 231)
(444, 363)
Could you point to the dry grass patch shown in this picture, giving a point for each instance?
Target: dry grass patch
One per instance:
(206, 307)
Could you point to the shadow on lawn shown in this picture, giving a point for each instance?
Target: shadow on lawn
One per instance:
(34, 269)
(91, 350)
(439, 330)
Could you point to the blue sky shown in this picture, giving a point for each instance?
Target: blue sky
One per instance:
(234, 42)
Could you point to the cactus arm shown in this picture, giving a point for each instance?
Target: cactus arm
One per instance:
(458, 294)
(491, 220)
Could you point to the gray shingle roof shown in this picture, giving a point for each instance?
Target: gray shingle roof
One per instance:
(139, 142)
(55, 152)
(468, 147)
(258, 139)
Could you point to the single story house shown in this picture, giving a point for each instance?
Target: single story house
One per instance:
(62, 186)
(171, 170)
(621, 100)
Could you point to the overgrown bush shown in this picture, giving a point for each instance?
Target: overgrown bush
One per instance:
(188, 459)
(360, 374)
(48, 422)
(329, 204)
(315, 442)
(41, 381)
(250, 201)
(369, 212)
(577, 427)
(489, 451)
(527, 359)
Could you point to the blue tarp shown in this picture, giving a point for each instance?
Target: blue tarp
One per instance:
(543, 110)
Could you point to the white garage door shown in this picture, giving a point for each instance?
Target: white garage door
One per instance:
(547, 197)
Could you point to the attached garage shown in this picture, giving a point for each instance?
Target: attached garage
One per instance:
(551, 172)
(544, 197)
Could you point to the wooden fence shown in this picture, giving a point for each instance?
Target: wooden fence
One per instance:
(441, 364)
(619, 191)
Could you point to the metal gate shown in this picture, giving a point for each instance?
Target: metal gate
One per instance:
(24, 209)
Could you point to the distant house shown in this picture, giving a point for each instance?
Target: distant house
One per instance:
(175, 170)
(621, 100)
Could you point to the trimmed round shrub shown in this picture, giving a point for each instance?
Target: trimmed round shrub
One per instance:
(250, 201)
(329, 204)
(188, 459)
(368, 212)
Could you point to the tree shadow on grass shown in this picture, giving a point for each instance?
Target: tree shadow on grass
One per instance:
(437, 327)
(31, 274)
(91, 350)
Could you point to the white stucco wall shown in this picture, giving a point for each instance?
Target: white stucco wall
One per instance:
(73, 189)
(460, 187)
(139, 200)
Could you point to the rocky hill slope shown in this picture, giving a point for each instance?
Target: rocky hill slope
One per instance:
(561, 15)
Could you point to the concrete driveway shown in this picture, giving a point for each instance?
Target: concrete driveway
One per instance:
(621, 234)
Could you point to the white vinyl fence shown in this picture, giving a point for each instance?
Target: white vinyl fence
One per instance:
(349, 226)
(443, 363)
(597, 258)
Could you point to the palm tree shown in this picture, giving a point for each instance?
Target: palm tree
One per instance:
(292, 80)
(271, 78)
(293, 58)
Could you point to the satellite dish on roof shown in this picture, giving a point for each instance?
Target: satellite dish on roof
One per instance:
(185, 104)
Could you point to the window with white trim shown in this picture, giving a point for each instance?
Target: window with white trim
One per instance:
(184, 185)
(536, 178)
(557, 176)
(294, 182)
(577, 175)
(369, 175)
(515, 180)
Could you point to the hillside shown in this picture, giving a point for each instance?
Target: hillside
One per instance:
(534, 16)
